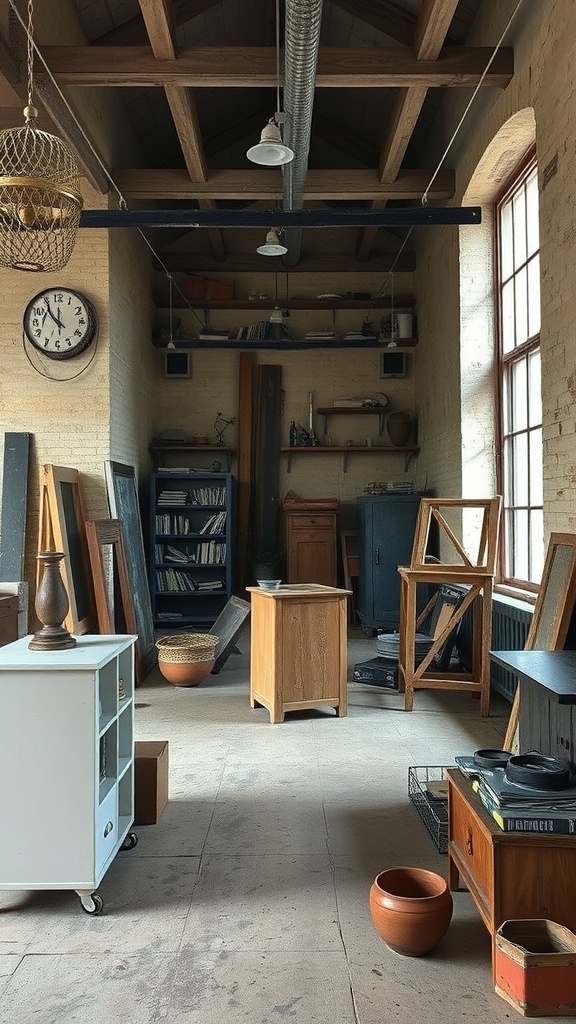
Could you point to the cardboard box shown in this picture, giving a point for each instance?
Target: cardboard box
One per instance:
(8, 619)
(219, 291)
(194, 287)
(150, 780)
(535, 967)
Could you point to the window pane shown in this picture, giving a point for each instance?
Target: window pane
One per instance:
(508, 316)
(508, 543)
(518, 373)
(533, 230)
(521, 305)
(520, 556)
(520, 449)
(506, 253)
(536, 545)
(534, 388)
(536, 485)
(507, 472)
(519, 218)
(534, 296)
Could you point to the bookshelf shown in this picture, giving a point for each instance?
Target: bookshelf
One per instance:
(192, 522)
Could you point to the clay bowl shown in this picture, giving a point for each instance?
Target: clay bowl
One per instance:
(185, 673)
(411, 909)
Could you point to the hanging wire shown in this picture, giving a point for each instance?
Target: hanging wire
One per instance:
(278, 107)
(424, 199)
(31, 49)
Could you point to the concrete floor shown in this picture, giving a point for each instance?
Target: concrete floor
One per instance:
(248, 901)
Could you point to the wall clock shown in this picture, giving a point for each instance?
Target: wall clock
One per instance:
(60, 322)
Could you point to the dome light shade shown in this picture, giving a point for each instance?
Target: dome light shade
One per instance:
(276, 316)
(272, 246)
(270, 151)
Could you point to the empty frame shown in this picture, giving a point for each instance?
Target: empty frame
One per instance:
(62, 528)
(123, 502)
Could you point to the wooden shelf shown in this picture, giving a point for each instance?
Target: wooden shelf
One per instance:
(357, 410)
(161, 449)
(405, 304)
(242, 345)
(410, 451)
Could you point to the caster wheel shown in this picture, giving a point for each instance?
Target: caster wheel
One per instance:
(130, 842)
(94, 904)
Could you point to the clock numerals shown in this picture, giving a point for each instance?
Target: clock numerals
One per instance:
(60, 323)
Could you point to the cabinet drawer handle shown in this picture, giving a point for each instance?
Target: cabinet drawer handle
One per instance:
(377, 556)
(469, 846)
(108, 828)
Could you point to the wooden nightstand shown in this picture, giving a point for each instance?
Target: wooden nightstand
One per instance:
(510, 875)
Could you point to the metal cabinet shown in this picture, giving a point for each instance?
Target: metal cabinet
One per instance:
(386, 524)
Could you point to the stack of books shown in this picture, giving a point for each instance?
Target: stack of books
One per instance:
(518, 808)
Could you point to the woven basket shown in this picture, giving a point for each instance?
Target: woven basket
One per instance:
(187, 647)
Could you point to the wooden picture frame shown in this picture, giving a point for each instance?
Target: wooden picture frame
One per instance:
(101, 533)
(62, 528)
(552, 620)
(124, 506)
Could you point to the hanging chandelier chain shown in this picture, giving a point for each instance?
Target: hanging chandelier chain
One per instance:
(278, 107)
(30, 54)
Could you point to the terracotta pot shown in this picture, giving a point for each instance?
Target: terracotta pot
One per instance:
(411, 909)
(185, 673)
(399, 427)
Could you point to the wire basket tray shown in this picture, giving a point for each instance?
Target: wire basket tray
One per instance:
(432, 810)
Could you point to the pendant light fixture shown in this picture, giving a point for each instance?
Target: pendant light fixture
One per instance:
(271, 151)
(272, 246)
(277, 314)
(40, 199)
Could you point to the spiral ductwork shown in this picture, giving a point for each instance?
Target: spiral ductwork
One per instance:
(302, 41)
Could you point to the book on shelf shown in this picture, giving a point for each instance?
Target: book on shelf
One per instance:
(214, 336)
(520, 819)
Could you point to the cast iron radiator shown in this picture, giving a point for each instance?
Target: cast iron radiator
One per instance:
(510, 625)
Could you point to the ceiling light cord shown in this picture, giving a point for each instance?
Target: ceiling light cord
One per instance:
(424, 199)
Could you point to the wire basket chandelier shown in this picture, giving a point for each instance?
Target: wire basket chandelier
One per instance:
(40, 199)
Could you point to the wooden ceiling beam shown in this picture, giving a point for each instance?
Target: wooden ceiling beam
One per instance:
(266, 184)
(157, 16)
(133, 32)
(313, 263)
(432, 28)
(50, 101)
(383, 16)
(255, 67)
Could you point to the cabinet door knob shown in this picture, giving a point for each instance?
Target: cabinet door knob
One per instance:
(377, 556)
(469, 846)
(108, 828)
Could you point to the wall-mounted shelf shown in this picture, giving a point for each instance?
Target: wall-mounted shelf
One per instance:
(161, 449)
(401, 303)
(242, 345)
(359, 410)
(410, 451)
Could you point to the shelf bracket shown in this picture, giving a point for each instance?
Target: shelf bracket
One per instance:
(408, 459)
(288, 467)
(345, 462)
(380, 424)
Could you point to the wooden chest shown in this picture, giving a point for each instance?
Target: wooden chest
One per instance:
(8, 619)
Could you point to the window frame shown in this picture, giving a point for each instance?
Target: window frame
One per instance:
(504, 360)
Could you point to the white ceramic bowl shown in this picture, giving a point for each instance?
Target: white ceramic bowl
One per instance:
(269, 584)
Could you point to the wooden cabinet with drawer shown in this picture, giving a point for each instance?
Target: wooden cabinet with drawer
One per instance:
(311, 539)
(509, 874)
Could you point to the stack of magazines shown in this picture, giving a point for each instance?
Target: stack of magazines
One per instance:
(519, 808)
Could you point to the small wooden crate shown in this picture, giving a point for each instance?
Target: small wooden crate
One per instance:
(535, 967)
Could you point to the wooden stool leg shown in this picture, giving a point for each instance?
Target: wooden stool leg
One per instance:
(408, 644)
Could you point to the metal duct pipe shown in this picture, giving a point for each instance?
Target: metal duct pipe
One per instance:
(302, 41)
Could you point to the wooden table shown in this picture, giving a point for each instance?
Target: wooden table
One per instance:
(298, 648)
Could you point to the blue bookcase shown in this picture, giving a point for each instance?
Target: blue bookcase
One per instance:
(192, 521)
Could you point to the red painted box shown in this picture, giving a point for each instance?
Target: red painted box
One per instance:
(535, 967)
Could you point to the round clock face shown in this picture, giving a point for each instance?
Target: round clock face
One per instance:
(60, 322)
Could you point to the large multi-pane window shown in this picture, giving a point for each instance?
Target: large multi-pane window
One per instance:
(518, 274)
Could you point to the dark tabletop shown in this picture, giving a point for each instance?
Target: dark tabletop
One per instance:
(554, 670)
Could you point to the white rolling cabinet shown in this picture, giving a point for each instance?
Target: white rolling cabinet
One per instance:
(66, 764)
